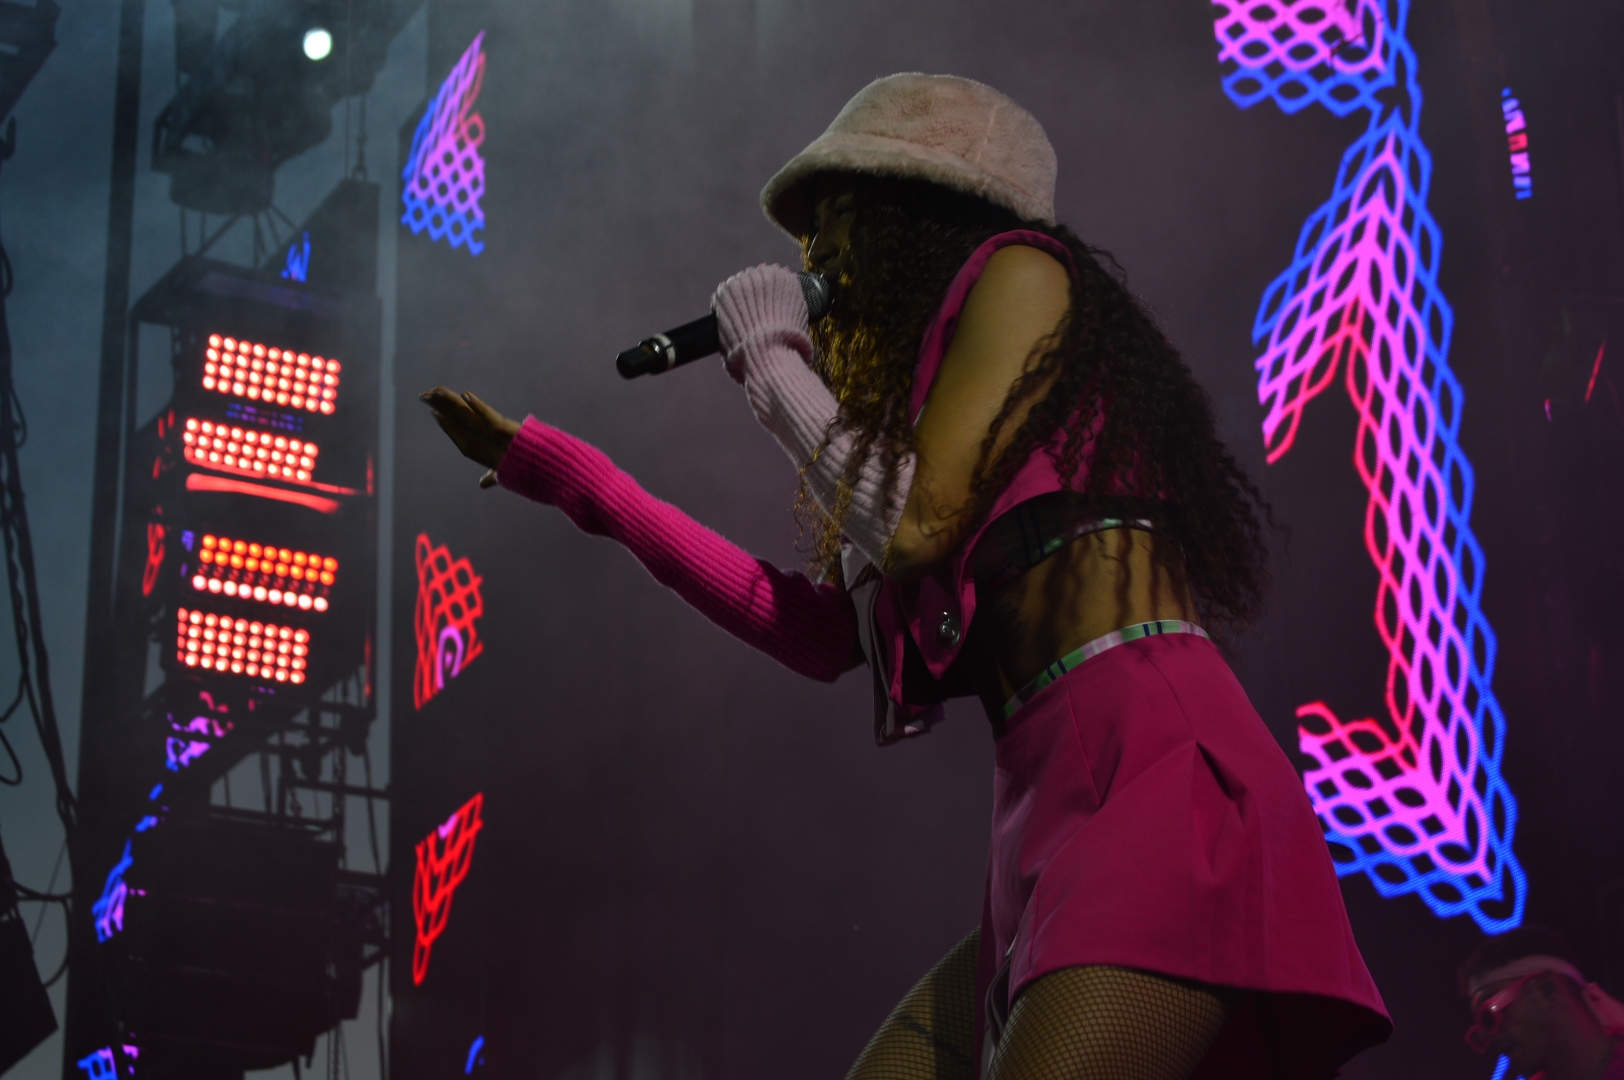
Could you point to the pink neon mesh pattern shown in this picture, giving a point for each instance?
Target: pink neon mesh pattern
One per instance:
(1415, 798)
(1410, 781)
(1302, 52)
(1300, 35)
(445, 173)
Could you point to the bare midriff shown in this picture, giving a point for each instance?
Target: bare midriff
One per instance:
(1098, 583)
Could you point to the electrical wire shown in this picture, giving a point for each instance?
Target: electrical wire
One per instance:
(49, 885)
(33, 657)
(11, 781)
(5, 742)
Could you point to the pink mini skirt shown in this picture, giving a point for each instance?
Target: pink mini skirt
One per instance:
(1144, 817)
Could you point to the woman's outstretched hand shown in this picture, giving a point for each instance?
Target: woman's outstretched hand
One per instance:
(480, 432)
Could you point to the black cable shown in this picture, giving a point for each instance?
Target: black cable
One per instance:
(21, 578)
(25, 893)
(17, 765)
(22, 581)
(56, 868)
(16, 701)
(5, 742)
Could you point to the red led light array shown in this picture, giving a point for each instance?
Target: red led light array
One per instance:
(244, 450)
(275, 376)
(241, 646)
(263, 572)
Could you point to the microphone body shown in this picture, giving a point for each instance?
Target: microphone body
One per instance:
(691, 341)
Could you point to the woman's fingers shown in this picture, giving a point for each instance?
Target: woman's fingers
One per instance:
(466, 441)
(471, 430)
(498, 423)
(480, 432)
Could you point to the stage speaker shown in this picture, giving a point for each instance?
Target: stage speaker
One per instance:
(26, 1017)
(227, 954)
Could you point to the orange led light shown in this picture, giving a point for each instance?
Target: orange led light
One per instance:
(250, 452)
(275, 376)
(264, 572)
(260, 650)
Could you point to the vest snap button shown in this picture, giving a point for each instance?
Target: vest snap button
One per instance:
(947, 631)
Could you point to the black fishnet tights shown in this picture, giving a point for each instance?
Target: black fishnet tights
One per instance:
(930, 1035)
(1108, 1023)
(1084, 1023)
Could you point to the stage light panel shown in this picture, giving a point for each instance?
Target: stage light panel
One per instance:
(207, 641)
(283, 377)
(231, 448)
(264, 573)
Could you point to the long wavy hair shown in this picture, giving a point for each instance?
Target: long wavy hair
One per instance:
(1108, 368)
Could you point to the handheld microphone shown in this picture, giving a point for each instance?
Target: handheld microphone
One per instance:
(690, 341)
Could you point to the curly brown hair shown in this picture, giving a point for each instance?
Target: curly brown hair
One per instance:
(1108, 365)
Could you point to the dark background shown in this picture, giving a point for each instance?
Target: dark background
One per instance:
(694, 861)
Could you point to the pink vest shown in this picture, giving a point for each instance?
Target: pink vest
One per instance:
(912, 632)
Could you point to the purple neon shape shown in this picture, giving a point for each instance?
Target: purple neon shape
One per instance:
(99, 1064)
(448, 656)
(445, 173)
(108, 910)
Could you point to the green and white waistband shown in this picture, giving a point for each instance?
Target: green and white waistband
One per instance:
(1094, 648)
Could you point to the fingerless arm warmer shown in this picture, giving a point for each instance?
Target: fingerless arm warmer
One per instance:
(761, 319)
(809, 628)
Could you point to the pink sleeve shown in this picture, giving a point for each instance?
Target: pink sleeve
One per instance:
(810, 629)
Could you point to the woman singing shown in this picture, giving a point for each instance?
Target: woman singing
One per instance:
(1019, 495)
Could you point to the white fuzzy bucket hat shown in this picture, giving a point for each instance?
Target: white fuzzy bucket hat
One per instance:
(950, 131)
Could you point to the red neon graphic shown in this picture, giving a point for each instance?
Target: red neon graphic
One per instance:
(283, 376)
(264, 572)
(1595, 369)
(241, 646)
(442, 862)
(155, 557)
(250, 452)
(199, 482)
(448, 603)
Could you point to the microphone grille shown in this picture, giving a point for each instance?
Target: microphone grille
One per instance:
(819, 295)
